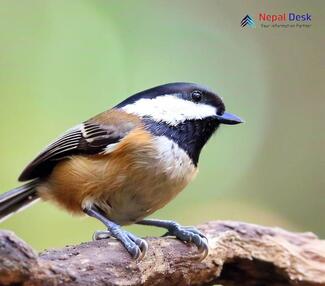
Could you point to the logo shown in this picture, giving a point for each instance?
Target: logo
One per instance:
(248, 21)
(281, 20)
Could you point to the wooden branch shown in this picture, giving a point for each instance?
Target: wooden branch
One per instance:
(240, 254)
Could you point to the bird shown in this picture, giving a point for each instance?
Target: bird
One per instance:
(125, 163)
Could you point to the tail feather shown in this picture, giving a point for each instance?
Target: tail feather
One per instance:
(17, 199)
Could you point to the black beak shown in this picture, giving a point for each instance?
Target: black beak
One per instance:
(229, 119)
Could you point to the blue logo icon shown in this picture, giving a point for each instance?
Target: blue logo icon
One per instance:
(248, 21)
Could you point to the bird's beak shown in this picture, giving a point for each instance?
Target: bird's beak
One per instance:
(229, 119)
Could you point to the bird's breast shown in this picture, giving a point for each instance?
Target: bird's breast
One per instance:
(156, 175)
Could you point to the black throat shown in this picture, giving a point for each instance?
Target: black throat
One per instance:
(190, 135)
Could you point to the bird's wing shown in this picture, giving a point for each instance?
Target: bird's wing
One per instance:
(86, 138)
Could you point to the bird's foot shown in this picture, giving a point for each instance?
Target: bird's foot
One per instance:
(136, 246)
(190, 234)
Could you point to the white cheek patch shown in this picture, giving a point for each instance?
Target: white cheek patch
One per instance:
(170, 109)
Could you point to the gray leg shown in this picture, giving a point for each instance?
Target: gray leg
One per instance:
(137, 247)
(183, 233)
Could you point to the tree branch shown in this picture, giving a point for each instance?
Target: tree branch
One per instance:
(240, 254)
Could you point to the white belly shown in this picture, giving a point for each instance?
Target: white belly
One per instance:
(161, 174)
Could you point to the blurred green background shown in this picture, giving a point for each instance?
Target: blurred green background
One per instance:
(64, 61)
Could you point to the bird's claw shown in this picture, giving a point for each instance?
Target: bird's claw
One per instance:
(191, 234)
(139, 248)
(136, 246)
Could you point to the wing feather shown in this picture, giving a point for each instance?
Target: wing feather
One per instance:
(87, 138)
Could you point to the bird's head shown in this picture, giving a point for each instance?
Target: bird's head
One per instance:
(187, 112)
(175, 103)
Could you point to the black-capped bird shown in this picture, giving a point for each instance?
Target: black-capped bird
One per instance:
(125, 163)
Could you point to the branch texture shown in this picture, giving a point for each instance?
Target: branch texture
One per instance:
(240, 254)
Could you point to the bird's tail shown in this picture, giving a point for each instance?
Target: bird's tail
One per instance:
(17, 199)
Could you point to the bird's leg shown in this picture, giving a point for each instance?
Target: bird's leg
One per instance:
(137, 247)
(183, 233)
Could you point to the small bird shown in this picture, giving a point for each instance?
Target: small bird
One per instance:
(125, 163)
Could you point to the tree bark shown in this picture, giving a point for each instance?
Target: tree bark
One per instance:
(240, 254)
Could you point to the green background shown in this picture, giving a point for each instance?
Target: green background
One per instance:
(63, 61)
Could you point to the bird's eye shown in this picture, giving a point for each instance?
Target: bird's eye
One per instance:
(196, 95)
